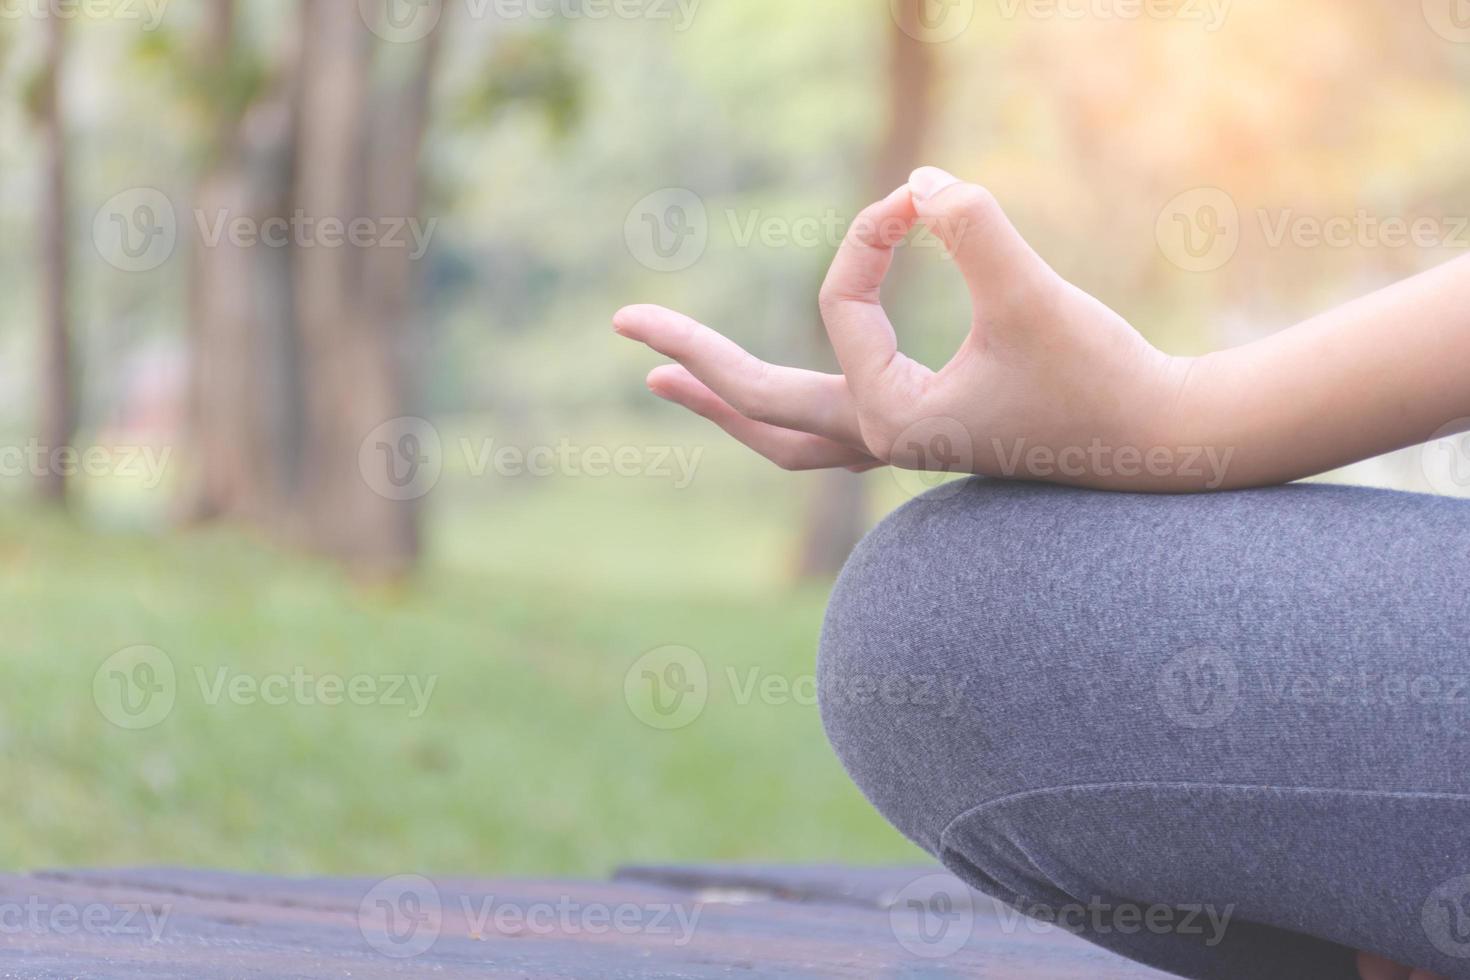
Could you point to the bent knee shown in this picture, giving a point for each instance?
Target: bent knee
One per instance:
(910, 656)
(971, 651)
(994, 638)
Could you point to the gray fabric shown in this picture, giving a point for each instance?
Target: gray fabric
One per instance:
(1256, 702)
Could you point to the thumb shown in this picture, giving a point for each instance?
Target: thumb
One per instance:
(992, 256)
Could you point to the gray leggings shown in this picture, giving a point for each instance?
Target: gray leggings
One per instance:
(1256, 703)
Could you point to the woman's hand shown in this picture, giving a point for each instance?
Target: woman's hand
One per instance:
(1048, 384)
(1052, 385)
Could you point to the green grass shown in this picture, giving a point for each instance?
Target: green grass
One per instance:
(537, 598)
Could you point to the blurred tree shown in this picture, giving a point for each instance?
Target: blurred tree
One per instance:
(836, 516)
(298, 352)
(357, 156)
(243, 408)
(57, 409)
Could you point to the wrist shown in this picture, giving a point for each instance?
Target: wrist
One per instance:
(1203, 422)
(1180, 443)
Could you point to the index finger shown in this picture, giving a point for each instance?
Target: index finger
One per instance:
(851, 298)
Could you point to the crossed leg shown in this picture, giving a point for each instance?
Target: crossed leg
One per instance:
(1256, 704)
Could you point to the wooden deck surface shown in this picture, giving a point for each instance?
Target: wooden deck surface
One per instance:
(692, 922)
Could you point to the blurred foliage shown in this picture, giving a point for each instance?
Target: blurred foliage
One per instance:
(535, 67)
(208, 87)
(549, 132)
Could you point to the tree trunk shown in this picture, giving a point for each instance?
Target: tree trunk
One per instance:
(299, 349)
(837, 513)
(352, 302)
(391, 273)
(242, 405)
(57, 415)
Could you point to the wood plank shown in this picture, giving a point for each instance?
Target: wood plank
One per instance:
(873, 888)
(691, 923)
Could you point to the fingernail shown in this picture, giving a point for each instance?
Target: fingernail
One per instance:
(925, 182)
(652, 381)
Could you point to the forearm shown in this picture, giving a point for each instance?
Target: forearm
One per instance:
(1386, 371)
